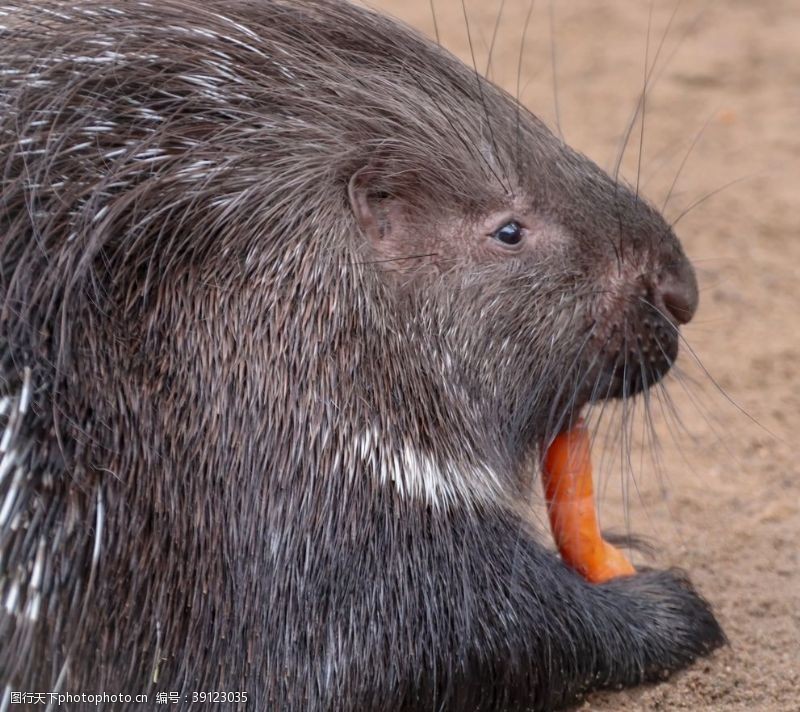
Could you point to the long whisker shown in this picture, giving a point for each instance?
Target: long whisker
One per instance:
(709, 195)
(553, 64)
(644, 99)
(713, 422)
(706, 372)
(605, 404)
(648, 85)
(625, 442)
(494, 38)
(646, 422)
(435, 23)
(507, 185)
(398, 259)
(697, 137)
(519, 79)
(655, 450)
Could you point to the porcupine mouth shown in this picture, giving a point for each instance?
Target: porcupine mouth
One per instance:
(630, 377)
(620, 374)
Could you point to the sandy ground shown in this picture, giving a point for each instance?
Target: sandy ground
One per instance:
(722, 497)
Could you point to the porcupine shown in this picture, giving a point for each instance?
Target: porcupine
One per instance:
(291, 300)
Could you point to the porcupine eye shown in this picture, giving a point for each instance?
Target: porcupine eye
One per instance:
(510, 234)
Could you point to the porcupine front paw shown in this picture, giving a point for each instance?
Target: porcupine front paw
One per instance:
(671, 624)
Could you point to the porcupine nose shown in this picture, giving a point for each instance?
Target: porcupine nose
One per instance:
(676, 293)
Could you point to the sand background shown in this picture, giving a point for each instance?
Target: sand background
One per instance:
(721, 497)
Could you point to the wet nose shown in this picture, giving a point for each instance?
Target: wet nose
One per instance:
(677, 294)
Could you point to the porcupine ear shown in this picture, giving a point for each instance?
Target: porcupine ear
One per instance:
(371, 205)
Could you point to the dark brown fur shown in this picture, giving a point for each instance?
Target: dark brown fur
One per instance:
(273, 385)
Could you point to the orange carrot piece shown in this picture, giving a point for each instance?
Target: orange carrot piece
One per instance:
(567, 479)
